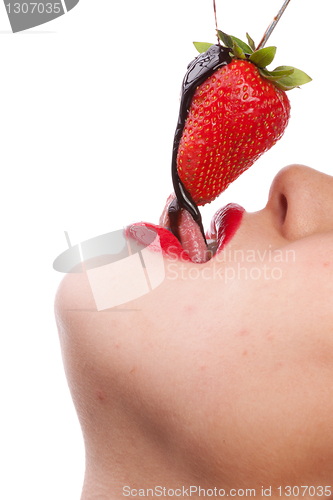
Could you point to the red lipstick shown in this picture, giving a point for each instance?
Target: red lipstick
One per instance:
(168, 243)
(224, 224)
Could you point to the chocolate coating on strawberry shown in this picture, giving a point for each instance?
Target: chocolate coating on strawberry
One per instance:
(198, 71)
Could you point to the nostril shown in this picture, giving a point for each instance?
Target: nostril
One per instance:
(283, 204)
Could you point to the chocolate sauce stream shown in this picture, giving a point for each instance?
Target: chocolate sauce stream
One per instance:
(197, 72)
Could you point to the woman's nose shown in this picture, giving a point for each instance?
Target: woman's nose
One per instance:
(301, 200)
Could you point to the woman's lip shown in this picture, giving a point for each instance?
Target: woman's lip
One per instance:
(225, 224)
(167, 242)
(223, 227)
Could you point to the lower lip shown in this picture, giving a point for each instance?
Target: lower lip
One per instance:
(168, 243)
(226, 222)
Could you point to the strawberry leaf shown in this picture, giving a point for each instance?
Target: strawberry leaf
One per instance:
(281, 86)
(295, 79)
(238, 52)
(263, 57)
(286, 77)
(276, 75)
(226, 39)
(229, 42)
(202, 46)
(251, 42)
(245, 48)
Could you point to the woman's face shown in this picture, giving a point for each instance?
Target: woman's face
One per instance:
(228, 362)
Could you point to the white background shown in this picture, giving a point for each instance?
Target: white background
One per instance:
(88, 109)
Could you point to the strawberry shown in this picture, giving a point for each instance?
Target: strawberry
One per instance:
(240, 111)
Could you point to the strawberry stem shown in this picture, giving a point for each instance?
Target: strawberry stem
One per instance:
(271, 27)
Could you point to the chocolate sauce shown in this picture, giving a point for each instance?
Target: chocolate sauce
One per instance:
(197, 72)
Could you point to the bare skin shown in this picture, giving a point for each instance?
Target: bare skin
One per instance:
(221, 377)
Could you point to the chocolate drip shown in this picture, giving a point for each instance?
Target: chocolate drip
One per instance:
(197, 72)
(174, 213)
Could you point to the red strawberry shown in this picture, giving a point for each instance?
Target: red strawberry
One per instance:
(235, 115)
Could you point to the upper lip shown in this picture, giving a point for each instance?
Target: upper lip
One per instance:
(224, 225)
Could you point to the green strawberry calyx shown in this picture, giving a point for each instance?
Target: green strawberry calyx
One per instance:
(283, 77)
